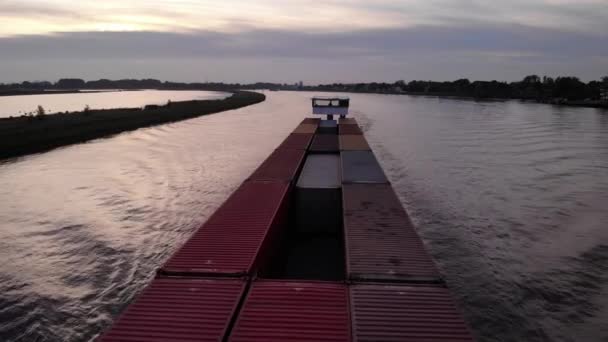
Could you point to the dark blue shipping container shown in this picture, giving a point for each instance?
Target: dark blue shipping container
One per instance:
(361, 167)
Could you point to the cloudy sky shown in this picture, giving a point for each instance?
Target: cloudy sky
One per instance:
(313, 41)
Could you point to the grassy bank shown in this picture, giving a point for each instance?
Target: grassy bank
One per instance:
(23, 135)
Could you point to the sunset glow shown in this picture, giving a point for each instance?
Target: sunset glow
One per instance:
(41, 17)
(416, 38)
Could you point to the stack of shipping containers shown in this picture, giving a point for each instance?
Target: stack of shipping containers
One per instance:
(280, 310)
(396, 292)
(180, 309)
(314, 246)
(197, 293)
(296, 305)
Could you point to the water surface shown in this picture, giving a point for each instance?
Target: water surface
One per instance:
(509, 198)
(53, 103)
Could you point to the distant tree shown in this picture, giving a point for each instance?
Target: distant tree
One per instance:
(101, 84)
(547, 87)
(36, 85)
(462, 86)
(44, 85)
(604, 89)
(531, 79)
(40, 112)
(570, 88)
(70, 83)
(462, 82)
(530, 87)
(593, 90)
(417, 86)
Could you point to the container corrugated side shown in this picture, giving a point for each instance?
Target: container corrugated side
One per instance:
(314, 121)
(281, 165)
(381, 241)
(306, 128)
(361, 167)
(349, 129)
(179, 309)
(325, 143)
(293, 311)
(347, 121)
(238, 237)
(382, 312)
(352, 142)
(296, 141)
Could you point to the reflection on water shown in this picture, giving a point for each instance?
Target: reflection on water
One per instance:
(54, 103)
(509, 198)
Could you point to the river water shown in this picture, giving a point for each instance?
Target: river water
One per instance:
(53, 103)
(509, 197)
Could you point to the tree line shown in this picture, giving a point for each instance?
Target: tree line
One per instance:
(77, 84)
(531, 87)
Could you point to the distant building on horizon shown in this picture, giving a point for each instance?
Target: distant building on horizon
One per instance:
(296, 86)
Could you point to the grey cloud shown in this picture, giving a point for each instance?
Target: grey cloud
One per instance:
(267, 43)
(21, 9)
(484, 52)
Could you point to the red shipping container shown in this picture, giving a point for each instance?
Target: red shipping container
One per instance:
(238, 237)
(381, 242)
(281, 165)
(349, 129)
(296, 141)
(293, 311)
(353, 142)
(311, 121)
(179, 309)
(419, 313)
(347, 121)
(306, 128)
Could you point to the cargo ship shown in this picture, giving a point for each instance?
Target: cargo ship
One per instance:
(313, 246)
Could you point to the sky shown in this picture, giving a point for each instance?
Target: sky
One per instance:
(312, 41)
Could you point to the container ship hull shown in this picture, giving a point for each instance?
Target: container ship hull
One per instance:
(313, 246)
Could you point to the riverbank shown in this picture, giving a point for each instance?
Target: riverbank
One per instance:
(24, 135)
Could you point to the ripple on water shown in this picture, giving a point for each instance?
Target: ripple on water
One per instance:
(508, 197)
